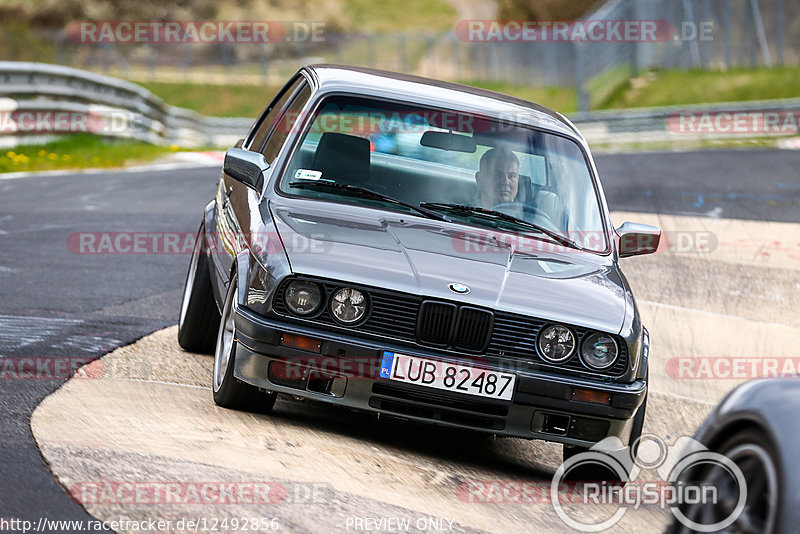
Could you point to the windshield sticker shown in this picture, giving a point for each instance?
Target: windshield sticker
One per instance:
(307, 174)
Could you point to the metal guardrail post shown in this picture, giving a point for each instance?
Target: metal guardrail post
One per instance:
(580, 79)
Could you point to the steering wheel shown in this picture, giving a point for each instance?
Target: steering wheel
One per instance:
(529, 212)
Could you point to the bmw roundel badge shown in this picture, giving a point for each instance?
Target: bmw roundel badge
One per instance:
(461, 289)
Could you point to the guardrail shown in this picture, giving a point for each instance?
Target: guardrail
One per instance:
(109, 106)
(745, 120)
(39, 99)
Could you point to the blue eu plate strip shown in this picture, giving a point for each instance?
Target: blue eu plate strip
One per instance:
(386, 364)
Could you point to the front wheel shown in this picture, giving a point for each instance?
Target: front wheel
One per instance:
(229, 392)
(199, 317)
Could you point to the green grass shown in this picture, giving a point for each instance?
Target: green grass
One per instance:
(607, 87)
(79, 151)
(611, 90)
(389, 16)
(228, 100)
(667, 88)
(561, 99)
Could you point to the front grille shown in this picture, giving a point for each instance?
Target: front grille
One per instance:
(448, 327)
(473, 328)
(435, 324)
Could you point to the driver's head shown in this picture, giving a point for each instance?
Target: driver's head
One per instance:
(498, 177)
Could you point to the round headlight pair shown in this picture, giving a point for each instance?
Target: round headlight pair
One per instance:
(557, 344)
(304, 298)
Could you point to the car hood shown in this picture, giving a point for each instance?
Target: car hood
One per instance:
(422, 256)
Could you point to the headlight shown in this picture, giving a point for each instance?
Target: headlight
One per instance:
(599, 351)
(348, 305)
(556, 343)
(303, 298)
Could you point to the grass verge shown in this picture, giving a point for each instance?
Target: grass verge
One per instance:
(766, 142)
(79, 151)
(670, 88)
(611, 90)
(228, 100)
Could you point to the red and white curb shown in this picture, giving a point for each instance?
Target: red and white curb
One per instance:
(789, 144)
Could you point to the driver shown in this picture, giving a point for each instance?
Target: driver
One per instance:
(498, 182)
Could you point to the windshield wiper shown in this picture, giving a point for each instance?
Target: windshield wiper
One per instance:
(499, 215)
(366, 193)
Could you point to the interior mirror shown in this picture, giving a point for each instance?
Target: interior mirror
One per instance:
(636, 239)
(246, 167)
(449, 141)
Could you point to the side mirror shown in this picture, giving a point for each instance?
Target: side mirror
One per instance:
(635, 239)
(246, 167)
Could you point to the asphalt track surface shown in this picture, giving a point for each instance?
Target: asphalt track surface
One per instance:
(57, 304)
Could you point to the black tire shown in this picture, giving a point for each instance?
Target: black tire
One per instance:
(199, 319)
(755, 455)
(229, 392)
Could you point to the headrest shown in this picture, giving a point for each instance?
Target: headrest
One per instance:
(343, 158)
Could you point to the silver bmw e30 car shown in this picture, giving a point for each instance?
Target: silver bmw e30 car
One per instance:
(424, 250)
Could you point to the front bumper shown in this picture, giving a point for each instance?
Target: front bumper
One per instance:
(343, 370)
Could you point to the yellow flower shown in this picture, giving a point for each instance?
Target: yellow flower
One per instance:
(10, 154)
(23, 158)
(51, 155)
(174, 148)
(42, 153)
(65, 157)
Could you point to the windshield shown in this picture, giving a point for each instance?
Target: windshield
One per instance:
(445, 161)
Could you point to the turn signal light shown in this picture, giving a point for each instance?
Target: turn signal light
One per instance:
(300, 342)
(588, 395)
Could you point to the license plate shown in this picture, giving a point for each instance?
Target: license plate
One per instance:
(447, 376)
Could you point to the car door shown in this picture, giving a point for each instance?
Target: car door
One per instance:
(237, 203)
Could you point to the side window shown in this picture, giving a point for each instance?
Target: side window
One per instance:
(267, 120)
(285, 123)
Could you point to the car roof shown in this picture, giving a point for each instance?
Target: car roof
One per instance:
(426, 91)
